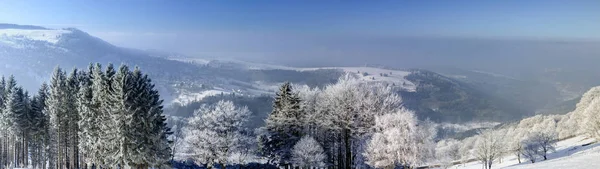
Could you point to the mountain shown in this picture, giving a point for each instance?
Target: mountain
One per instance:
(31, 53)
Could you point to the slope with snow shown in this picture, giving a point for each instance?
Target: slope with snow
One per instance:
(570, 153)
(45, 35)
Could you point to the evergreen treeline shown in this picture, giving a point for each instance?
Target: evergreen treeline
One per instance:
(84, 119)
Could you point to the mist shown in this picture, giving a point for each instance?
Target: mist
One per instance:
(500, 55)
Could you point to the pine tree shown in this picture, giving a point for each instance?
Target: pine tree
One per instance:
(72, 118)
(118, 101)
(88, 113)
(3, 147)
(12, 124)
(134, 112)
(151, 125)
(57, 109)
(40, 132)
(7, 123)
(283, 126)
(2, 92)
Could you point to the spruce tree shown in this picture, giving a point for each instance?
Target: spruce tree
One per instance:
(2, 93)
(72, 118)
(40, 133)
(14, 108)
(118, 101)
(283, 126)
(88, 114)
(149, 114)
(3, 147)
(57, 109)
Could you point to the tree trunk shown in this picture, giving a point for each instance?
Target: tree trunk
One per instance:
(340, 160)
(348, 149)
(25, 150)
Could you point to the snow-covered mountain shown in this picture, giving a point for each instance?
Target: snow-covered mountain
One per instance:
(32, 52)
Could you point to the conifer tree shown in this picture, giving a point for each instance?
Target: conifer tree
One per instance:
(57, 109)
(72, 121)
(283, 126)
(72, 118)
(40, 132)
(88, 113)
(3, 147)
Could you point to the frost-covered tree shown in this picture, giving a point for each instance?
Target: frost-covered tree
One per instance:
(13, 123)
(530, 150)
(81, 112)
(241, 158)
(466, 148)
(447, 152)
(40, 134)
(591, 120)
(515, 142)
(88, 113)
(284, 126)
(426, 134)
(545, 141)
(57, 109)
(395, 142)
(488, 147)
(215, 132)
(308, 153)
(349, 108)
(72, 119)
(309, 98)
(134, 112)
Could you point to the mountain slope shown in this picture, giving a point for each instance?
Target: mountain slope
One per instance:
(31, 53)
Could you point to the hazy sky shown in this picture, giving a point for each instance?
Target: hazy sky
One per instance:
(264, 29)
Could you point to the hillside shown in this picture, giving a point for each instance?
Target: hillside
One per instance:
(570, 153)
(31, 52)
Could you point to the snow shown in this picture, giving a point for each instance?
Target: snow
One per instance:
(50, 36)
(569, 154)
(396, 77)
(185, 98)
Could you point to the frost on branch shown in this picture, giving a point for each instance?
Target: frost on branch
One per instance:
(308, 153)
(216, 134)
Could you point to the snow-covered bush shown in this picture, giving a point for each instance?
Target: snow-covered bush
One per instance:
(447, 151)
(216, 133)
(308, 153)
(530, 150)
(396, 141)
(544, 140)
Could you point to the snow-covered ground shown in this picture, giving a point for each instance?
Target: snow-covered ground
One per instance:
(569, 154)
(396, 77)
(50, 35)
(186, 98)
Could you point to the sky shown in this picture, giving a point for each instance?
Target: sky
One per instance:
(268, 29)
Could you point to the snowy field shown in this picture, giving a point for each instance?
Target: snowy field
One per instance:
(368, 74)
(569, 154)
(50, 36)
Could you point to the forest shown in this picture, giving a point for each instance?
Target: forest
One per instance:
(92, 118)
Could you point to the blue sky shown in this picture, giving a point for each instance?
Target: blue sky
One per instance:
(514, 18)
(226, 27)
